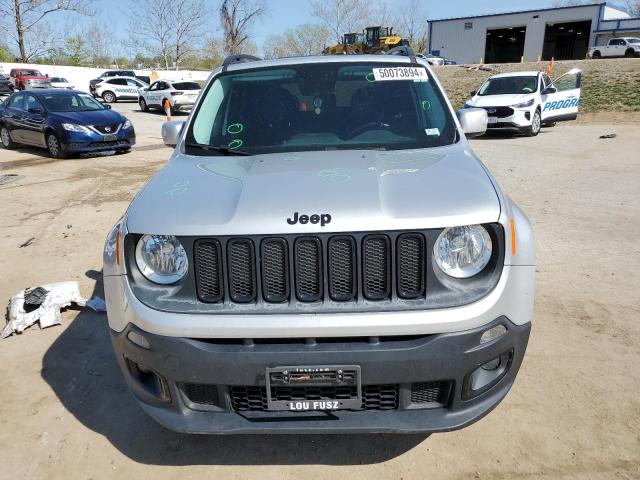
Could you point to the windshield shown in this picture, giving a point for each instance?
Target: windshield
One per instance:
(325, 106)
(31, 73)
(58, 80)
(633, 40)
(509, 86)
(72, 102)
(186, 86)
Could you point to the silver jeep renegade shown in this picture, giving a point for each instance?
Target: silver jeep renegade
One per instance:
(323, 253)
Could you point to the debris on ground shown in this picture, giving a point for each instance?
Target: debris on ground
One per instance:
(28, 242)
(97, 304)
(42, 304)
(10, 177)
(609, 135)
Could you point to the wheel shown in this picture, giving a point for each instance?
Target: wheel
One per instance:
(549, 124)
(54, 147)
(536, 122)
(143, 105)
(597, 54)
(109, 97)
(630, 53)
(5, 137)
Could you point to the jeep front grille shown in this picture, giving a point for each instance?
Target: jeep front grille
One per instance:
(311, 269)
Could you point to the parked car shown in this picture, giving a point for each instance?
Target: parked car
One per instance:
(61, 82)
(109, 74)
(144, 78)
(323, 252)
(65, 122)
(119, 88)
(433, 60)
(526, 101)
(450, 62)
(617, 47)
(6, 86)
(180, 94)
(28, 78)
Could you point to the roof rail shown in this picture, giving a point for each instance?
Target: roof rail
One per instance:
(239, 58)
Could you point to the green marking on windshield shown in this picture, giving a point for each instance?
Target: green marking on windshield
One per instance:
(235, 128)
(426, 104)
(233, 144)
(369, 77)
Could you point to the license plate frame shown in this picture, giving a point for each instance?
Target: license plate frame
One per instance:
(493, 120)
(314, 376)
(111, 137)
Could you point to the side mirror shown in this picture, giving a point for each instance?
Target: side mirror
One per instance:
(36, 111)
(106, 106)
(549, 90)
(473, 121)
(473, 93)
(171, 132)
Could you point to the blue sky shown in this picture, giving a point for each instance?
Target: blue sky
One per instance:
(284, 14)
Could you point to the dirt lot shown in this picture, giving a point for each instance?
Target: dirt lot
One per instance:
(574, 412)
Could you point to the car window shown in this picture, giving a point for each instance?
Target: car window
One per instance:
(186, 86)
(133, 83)
(16, 101)
(509, 86)
(633, 40)
(31, 102)
(118, 81)
(326, 106)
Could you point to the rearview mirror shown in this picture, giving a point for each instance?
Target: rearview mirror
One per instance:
(473, 121)
(171, 132)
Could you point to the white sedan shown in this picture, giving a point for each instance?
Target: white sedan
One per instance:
(526, 101)
(181, 95)
(113, 89)
(61, 82)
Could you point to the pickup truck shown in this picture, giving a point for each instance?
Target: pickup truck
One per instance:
(27, 78)
(617, 47)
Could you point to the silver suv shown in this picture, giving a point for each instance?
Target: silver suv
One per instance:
(322, 253)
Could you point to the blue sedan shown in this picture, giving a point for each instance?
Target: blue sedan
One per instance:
(65, 122)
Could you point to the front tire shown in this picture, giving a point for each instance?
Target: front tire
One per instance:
(143, 105)
(630, 53)
(54, 146)
(536, 123)
(596, 54)
(5, 137)
(109, 97)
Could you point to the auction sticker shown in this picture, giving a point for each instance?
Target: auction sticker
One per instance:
(400, 73)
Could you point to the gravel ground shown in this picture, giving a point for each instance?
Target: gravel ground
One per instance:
(574, 412)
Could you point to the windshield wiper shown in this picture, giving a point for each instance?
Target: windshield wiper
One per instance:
(223, 149)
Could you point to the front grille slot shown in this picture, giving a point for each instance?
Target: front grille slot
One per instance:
(275, 270)
(208, 271)
(500, 112)
(308, 269)
(342, 268)
(374, 397)
(201, 393)
(242, 270)
(430, 392)
(376, 278)
(107, 128)
(411, 265)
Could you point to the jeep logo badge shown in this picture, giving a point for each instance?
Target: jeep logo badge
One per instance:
(323, 219)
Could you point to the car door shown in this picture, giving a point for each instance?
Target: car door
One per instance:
(132, 88)
(561, 99)
(155, 94)
(34, 121)
(14, 116)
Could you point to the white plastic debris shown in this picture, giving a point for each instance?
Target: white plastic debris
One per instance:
(97, 304)
(41, 304)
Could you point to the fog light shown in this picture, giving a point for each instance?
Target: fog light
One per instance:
(486, 375)
(493, 333)
(138, 339)
(492, 365)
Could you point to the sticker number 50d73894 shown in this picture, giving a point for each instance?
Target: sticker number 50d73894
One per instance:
(400, 73)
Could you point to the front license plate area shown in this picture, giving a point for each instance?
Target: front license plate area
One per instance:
(493, 120)
(314, 388)
(110, 138)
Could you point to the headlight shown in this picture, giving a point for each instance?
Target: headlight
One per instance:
(462, 252)
(161, 258)
(72, 127)
(127, 124)
(523, 105)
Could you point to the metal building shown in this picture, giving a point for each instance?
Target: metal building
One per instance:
(563, 33)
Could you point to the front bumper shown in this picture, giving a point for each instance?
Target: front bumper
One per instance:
(402, 362)
(80, 142)
(520, 120)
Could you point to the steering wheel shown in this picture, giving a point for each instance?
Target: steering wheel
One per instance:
(368, 126)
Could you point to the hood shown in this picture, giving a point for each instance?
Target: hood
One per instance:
(97, 117)
(360, 190)
(499, 100)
